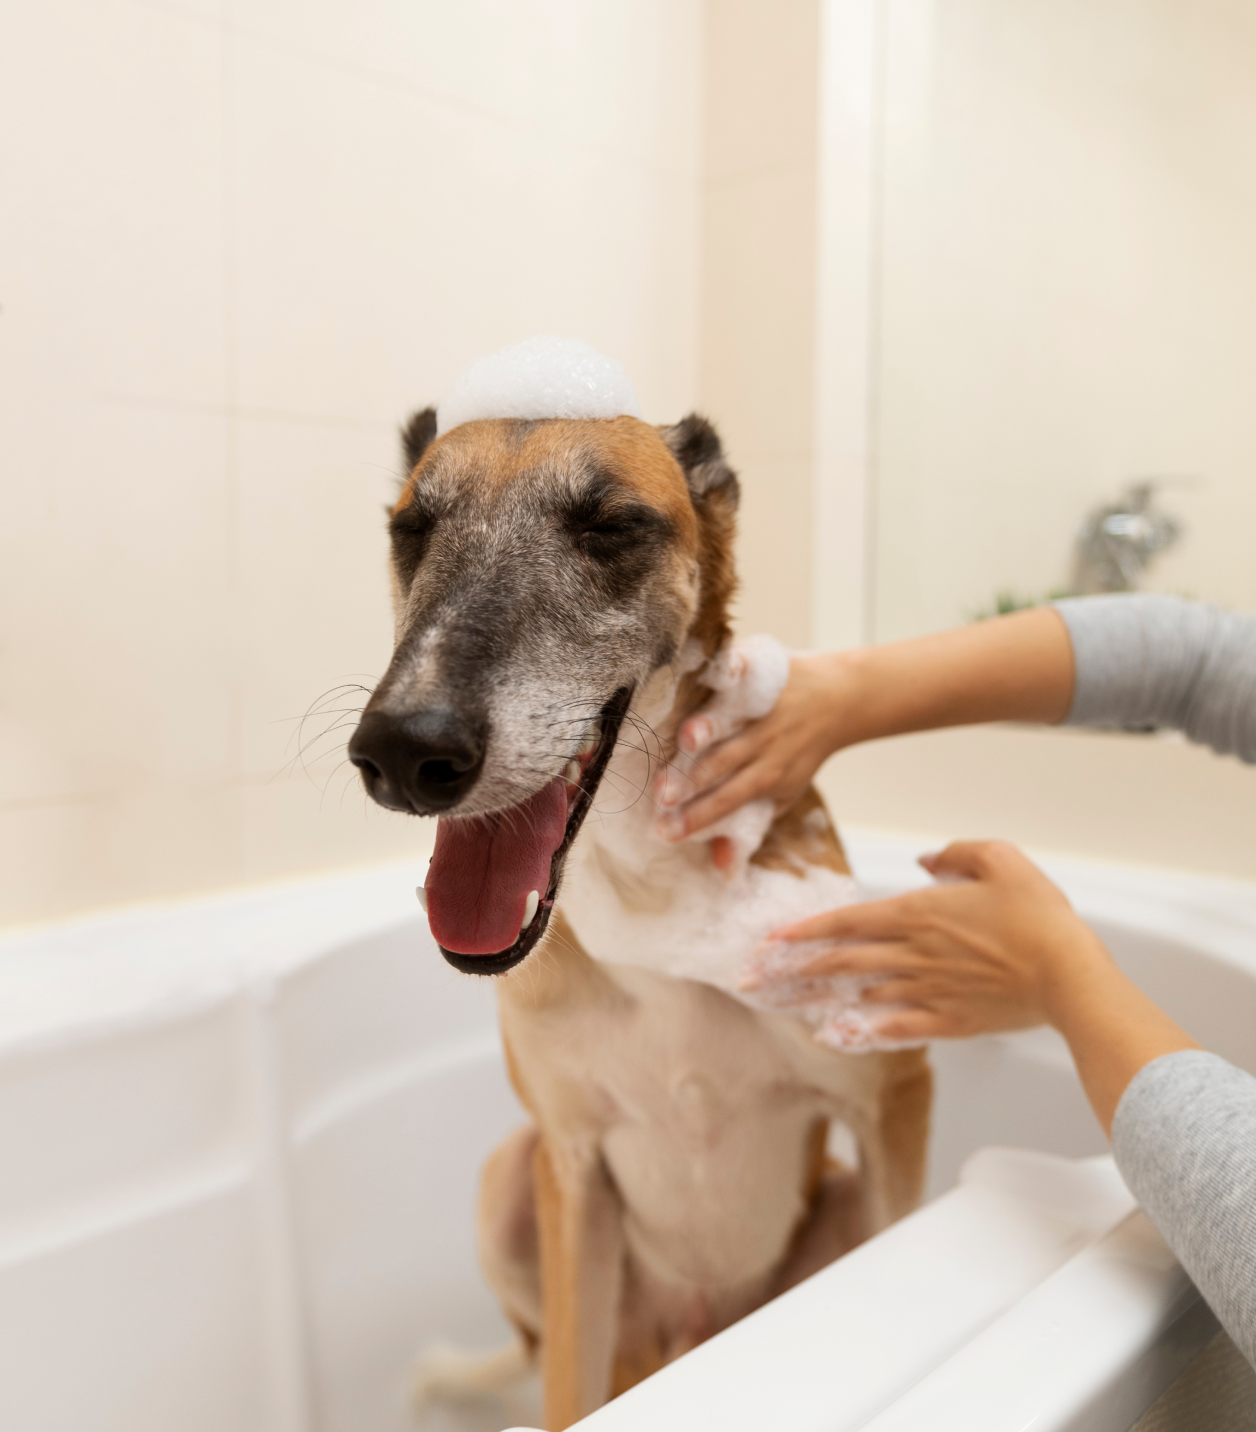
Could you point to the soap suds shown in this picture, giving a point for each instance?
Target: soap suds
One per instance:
(634, 899)
(832, 1006)
(540, 377)
(747, 677)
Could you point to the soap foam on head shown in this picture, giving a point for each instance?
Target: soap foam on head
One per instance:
(540, 377)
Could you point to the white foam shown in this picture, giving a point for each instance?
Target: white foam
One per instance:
(832, 1006)
(747, 677)
(634, 899)
(541, 377)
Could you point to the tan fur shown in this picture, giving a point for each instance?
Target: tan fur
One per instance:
(675, 1178)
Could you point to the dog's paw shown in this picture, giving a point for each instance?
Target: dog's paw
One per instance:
(446, 1373)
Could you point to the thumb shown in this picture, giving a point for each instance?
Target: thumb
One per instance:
(961, 860)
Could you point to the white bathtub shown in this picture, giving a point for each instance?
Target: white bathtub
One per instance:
(240, 1138)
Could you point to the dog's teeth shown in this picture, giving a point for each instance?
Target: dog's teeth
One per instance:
(571, 773)
(529, 909)
(591, 737)
(422, 894)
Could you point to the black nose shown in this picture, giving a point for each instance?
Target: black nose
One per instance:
(424, 762)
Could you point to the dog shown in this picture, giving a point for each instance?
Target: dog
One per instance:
(560, 587)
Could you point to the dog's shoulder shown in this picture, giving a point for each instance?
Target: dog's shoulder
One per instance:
(803, 835)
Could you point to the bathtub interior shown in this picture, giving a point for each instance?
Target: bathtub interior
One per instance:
(241, 1141)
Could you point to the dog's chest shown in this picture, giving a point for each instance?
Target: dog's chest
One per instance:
(702, 1111)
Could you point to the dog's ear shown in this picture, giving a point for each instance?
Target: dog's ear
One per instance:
(416, 437)
(696, 447)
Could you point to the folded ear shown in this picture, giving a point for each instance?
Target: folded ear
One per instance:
(696, 447)
(416, 436)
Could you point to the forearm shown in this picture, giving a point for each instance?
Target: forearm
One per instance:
(1185, 1141)
(1013, 668)
(1112, 1028)
(1153, 661)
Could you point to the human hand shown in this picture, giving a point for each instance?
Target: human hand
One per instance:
(1013, 668)
(998, 947)
(773, 758)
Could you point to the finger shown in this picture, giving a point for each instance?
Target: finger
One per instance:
(703, 810)
(977, 860)
(866, 920)
(878, 958)
(896, 990)
(712, 723)
(671, 786)
(722, 759)
(675, 785)
(962, 859)
(695, 732)
(779, 963)
(914, 1024)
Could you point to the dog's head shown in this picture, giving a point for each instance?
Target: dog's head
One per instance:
(543, 571)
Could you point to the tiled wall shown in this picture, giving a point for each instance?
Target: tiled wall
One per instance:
(1067, 298)
(241, 241)
(1066, 302)
(759, 290)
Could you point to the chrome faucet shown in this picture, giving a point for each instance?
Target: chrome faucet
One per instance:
(1117, 541)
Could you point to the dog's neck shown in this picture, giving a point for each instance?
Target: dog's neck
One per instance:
(634, 899)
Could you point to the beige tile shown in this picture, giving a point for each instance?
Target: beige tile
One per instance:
(314, 596)
(1050, 331)
(178, 575)
(141, 844)
(773, 548)
(385, 240)
(1102, 795)
(115, 604)
(758, 323)
(112, 147)
(762, 85)
(620, 76)
(294, 825)
(207, 12)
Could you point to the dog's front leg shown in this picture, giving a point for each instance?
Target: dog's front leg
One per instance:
(581, 1232)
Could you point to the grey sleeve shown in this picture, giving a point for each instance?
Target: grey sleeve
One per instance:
(1184, 1137)
(1148, 661)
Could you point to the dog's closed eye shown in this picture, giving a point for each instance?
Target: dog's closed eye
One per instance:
(605, 525)
(614, 534)
(409, 529)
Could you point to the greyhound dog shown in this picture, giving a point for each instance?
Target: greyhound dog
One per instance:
(559, 585)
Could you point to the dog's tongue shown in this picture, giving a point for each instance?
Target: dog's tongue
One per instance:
(485, 867)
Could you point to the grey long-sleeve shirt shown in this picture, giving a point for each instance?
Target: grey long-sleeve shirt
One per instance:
(1184, 1135)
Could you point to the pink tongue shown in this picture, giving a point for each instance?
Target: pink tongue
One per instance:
(484, 869)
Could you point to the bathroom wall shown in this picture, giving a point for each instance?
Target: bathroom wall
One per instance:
(758, 290)
(1067, 298)
(240, 243)
(1065, 301)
